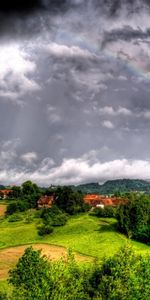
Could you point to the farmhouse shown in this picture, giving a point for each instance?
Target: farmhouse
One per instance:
(5, 193)
(45, 201)
(102, 201)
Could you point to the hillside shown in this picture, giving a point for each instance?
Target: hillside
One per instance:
(113, 186)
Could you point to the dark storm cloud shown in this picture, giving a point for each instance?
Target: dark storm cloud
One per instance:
(126, 33)
(11, 6)
(72, 111)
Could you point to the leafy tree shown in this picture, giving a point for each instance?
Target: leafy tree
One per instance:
(54, 216)
(45, 229)
(30, 193)
(36, 278)
(70, 201)
(106, 212)
(30, 277)
(16, 192)
(17, 206)
(124, 276)
(134, 217)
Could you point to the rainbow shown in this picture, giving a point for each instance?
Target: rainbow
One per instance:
(93, 46)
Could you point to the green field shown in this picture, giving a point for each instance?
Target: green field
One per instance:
(83, 233)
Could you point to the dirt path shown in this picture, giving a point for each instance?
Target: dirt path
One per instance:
(3, 208)
(10, 256)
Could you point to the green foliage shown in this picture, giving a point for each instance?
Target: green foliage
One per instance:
(115, 187)
(70, 201)
(23, 197)
(106, 212)
(68, 280)
(134, 218)
(17, 206)
(16, 192)
(30, 277)
(15, 217)
(54, 216)
(124, 276)
(36, 278)
(3, 296)
(44, 229)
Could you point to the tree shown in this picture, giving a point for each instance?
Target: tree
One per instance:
(30, 277)
(124, 276)
(70, 201)
(16, 192)
(36, 278)
(134, 218)
(30, 193)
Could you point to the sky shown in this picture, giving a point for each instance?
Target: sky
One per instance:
(74, 91)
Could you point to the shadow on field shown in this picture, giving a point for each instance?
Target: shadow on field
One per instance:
(107, 227)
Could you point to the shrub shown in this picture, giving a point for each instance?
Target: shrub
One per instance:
(134, 218)
(15, 218)
(17, 206)
(106, 212)
(54, 216)
(44, 229)
(124, 276)
(12, 208)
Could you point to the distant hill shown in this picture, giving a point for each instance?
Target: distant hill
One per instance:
(2, 187)
(114, 186)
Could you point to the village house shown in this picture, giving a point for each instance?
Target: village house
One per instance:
(5, 193)
(45, 201)
(102, 201)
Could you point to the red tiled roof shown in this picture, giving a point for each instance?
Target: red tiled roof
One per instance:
(94, 199)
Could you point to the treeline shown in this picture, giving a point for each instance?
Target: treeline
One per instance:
(133, 216)
(66, 202)
(26, 196)
(124, 276)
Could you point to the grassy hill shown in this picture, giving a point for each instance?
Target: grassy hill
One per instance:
(84, 234)
(113, 186)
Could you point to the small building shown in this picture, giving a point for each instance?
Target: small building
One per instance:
(45, 202)
(102, 201)
(100, 206)
(5, 193)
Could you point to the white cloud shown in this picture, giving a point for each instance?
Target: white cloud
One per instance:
(15, 68)
(76, 171)
(108, 124)
(53, 114)
(109, 110)
(8, 152)
(29, 157)
(61, 50)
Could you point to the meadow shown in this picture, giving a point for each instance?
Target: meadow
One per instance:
(89, 237)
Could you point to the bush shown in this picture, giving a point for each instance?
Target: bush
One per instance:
(17, 206)
(30, 277)
(106, 212)
(134, 218)
(124, 276)
(36, 278)
(12, 208)
(29, 218)
(44, 229)
(15, 218)
(54, 216)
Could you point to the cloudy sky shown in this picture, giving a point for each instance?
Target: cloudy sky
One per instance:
(74, 91)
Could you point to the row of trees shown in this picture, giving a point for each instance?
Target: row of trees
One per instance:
(134, 217)
(25, 196)
(124, 276)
